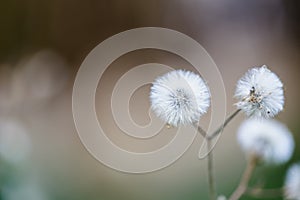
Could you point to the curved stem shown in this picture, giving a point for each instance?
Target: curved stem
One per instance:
(211, 179)
(200, 130)
(221, 128)
(242, 187)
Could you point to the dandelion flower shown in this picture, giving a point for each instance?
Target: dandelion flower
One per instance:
(292, 182)
(260, 93)
(179, 97)
(269, 140)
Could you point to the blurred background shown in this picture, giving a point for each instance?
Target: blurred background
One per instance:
(42, 44)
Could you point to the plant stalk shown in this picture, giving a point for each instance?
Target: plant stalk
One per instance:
(210, 166)
(221, 128)
(243, 185)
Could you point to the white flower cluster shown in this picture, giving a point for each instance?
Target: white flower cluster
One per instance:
(182, 97)
(260, 93)
(270, 140)
(179, 97)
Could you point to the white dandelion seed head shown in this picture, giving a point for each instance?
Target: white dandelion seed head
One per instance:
(292, 182)
(270, 140)
(260, 93)
(179, 97)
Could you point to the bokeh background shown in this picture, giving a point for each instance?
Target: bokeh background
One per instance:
(42, 44)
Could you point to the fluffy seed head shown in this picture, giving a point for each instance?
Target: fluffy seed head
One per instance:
(292, 182)
(260, 93)
(179, 97)
(270, 140)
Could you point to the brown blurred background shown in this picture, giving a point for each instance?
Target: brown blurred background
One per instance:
(42, 44)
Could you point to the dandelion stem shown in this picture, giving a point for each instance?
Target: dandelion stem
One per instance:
(211, 178)
(210, 167)
(242, 187)
(220, 129)
(200, 130)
